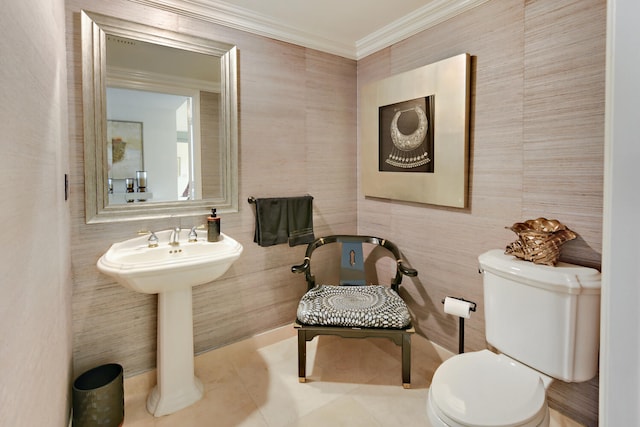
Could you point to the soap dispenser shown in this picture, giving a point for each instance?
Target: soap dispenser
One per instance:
(213, 227)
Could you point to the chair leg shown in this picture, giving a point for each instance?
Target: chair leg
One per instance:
(406, 360)
(302, 356)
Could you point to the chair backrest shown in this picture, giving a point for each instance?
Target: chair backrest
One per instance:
(352, 264)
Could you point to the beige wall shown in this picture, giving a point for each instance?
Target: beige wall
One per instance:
(35, 278)
(297, 114)
(536, 149)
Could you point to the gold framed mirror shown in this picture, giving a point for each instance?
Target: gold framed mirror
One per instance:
(160, 122)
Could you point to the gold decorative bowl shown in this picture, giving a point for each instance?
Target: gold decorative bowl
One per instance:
(539, 240)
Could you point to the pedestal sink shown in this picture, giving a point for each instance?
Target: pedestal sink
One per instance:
(171, 271)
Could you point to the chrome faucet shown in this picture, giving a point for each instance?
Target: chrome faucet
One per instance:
(193, 236)
(153, 240)
(175, 237)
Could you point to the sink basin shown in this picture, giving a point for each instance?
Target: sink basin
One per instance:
(164, 268)
(171, 272)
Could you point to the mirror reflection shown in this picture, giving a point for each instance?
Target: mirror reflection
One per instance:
(155, 95)
(163, 130)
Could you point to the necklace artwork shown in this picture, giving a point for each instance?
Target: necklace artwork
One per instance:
(408, 151)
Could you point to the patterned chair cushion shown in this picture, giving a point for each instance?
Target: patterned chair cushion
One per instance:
(373, 306)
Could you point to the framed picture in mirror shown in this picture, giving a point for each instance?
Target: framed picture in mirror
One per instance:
(124, 149)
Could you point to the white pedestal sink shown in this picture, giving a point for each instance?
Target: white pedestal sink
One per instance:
(171, 272)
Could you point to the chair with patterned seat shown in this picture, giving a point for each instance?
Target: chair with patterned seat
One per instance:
(353, 308)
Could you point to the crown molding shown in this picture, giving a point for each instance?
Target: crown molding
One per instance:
(430, 15)
(152, 81)
(220, 13)
(224, 14)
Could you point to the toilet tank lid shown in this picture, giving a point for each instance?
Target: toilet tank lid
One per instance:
(564, 277)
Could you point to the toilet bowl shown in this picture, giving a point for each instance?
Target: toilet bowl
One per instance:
(546, 319)
(486, 389)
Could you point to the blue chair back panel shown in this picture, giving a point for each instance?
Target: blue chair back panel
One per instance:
(352, 264)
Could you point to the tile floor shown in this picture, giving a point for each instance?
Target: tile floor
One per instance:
(350, 382)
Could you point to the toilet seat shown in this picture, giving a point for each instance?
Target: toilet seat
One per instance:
(487, 389)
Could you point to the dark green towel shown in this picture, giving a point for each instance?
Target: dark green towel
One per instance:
(284, 219)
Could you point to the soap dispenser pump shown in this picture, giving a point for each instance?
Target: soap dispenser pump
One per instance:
(213, 227)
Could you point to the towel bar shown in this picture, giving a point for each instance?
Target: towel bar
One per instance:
(252, 200)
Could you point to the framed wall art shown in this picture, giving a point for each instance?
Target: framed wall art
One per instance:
(415, 134)
(124, 149)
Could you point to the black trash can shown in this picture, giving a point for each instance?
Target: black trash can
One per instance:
(98, 397)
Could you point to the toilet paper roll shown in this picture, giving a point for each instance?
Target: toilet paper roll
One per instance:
(457, 307)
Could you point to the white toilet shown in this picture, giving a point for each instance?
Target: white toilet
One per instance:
(545, 321)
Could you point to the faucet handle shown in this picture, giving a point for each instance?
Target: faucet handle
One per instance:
(193, 236)
(153, 240)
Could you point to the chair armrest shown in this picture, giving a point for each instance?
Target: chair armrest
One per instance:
(407, 271)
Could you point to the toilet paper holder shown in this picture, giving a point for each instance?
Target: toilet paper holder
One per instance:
(472, 307)
(473, 304)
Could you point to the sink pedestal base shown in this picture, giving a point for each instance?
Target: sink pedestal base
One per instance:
(177, 385)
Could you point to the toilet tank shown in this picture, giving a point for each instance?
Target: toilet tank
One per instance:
(545, 317)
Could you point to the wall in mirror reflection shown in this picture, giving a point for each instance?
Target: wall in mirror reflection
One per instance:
(170, 147)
